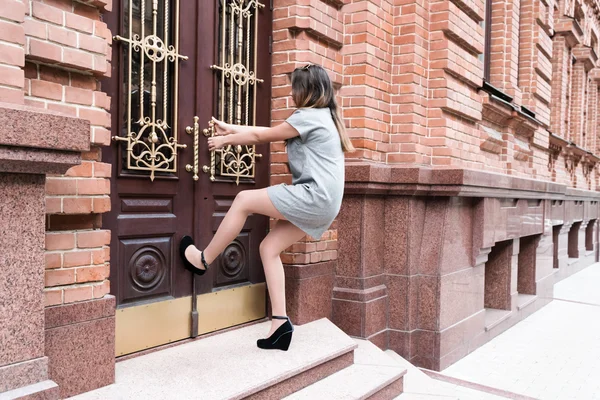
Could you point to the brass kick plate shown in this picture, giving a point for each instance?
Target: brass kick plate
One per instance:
(150, 325)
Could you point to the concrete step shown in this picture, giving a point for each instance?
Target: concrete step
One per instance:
(420, 386)
(46, 390)
(230, 366)
(373, 375)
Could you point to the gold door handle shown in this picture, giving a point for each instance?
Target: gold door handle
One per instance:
(194, 129)
(210, 132)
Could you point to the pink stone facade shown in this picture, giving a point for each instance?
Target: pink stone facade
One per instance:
(448, 261)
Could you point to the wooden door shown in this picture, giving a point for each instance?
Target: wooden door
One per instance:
(175, 65)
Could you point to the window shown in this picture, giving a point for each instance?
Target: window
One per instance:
(579, 16)
(567, 90)
(487, 51)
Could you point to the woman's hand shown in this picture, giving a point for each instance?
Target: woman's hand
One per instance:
(223, 128)
(216, 142)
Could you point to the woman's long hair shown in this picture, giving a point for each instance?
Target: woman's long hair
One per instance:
(312, 88)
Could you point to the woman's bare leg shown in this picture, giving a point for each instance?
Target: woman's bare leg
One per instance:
(245, 203)
(280, 238)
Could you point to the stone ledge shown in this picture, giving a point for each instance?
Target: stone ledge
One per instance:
(305, 271)
(68, 314)
(380, 179)
(36, 141)
(23, 160)
(23, 373)
(24, 126)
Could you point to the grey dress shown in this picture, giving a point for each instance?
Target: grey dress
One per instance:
(316, 161)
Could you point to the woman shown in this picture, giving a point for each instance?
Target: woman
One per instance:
(316, 142)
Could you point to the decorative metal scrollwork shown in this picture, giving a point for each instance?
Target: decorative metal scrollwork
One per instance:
(237, 86)
(151, 139)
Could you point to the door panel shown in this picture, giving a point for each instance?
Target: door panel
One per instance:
(146, 271)
(161, 83)
(240, 72)
(234, 266)
(151, 205)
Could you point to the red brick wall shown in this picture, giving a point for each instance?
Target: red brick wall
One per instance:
(561, 67)
(306, 31)
(52, 55)
(411, 74)
(12, 51)
(409, 100)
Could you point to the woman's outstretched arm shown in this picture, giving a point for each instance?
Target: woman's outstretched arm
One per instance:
(251, 135)
(224, 129)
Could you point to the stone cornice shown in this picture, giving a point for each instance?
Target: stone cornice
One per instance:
(25, 126)
(36, 141)
(380, 179)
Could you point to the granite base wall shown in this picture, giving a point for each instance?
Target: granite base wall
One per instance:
(432, 271)
(23, 367)
(308, 291)
(80, 345)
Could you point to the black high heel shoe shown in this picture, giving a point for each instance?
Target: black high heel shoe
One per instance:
(186, 242)
(280, 339)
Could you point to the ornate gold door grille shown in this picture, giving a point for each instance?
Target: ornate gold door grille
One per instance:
(151, 110)
(238, 31)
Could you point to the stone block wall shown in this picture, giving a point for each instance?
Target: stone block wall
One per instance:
(449, 259)
(53, 54)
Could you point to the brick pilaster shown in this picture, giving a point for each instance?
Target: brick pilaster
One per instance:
(410, 142)
(561, 67)
(577, 102)
(12, 50)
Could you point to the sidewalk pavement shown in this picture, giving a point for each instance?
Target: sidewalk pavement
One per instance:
(553, 354)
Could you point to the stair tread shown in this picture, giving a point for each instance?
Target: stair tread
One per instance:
(372, 371)
(45, 389)
(353, 383)
(368, 353)
(224, 366)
